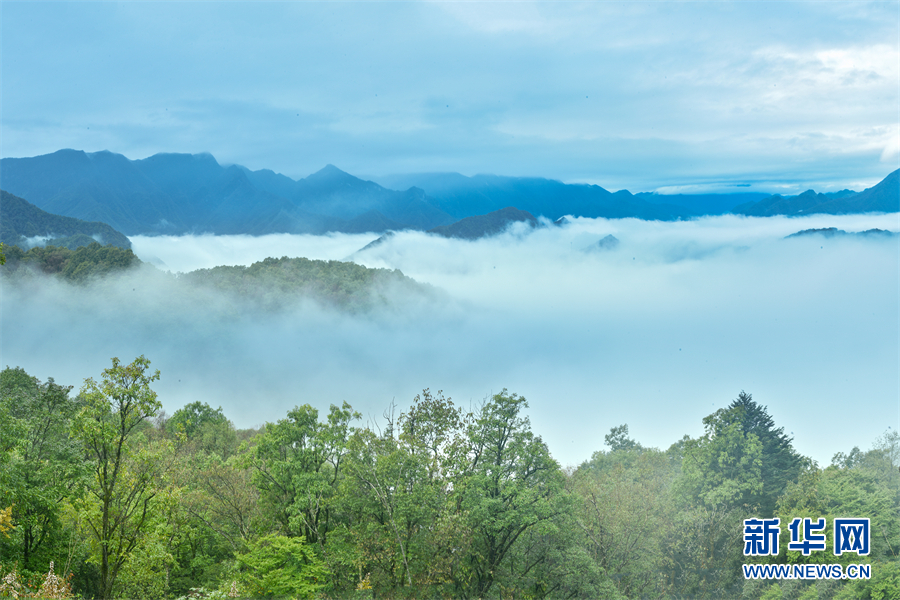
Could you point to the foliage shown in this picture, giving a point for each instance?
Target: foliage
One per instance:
(742, 461)
(41, 464)
(513, 485)
(627, 516)
(6, 524)
(279, 282)
(399, 489)
(77, 266)
(437, 503)
(297, 465)
(118, 504)
(194, 417)
(277, 565)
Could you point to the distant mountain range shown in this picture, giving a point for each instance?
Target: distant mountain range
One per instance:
(20, 220)
(462, 196)
(473, 228)
(883, 197)
(832, 232)
(184, 193)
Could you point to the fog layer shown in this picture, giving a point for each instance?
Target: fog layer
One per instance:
(657, 332)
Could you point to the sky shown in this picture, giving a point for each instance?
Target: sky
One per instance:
(657, 333)
(644, 96)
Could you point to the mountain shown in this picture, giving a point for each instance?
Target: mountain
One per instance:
(704, 204)
(883, 197)
(181, 193)
(19, 219)
(472, 228)
(609, 242)
(462, 196)
(479, 226)
(832, 232)
(279, 283)
(101, 186)
(193, 193)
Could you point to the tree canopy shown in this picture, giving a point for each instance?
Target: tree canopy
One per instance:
(436, 502)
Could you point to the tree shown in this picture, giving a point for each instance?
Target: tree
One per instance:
(781, 464)
(743, 459)
(41, 465)
(278, 566)
(512, 486)
(207, 430)
(6, 521)
(617, 439)
(625, 513)
(122, 485)
(298, 464)
(861, 484)
(193, 417)
(398, 498)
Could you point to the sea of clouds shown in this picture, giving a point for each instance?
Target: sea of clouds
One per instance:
(658, 332)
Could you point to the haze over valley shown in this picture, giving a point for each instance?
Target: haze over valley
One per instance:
(656, 330)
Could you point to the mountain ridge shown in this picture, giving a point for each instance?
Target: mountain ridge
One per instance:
(176, 193)
(882, 197)
(172, 193)
(20, 220)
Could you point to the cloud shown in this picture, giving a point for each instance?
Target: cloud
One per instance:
(657, 333)
(180, 254)
(891, 152)
(634, 96)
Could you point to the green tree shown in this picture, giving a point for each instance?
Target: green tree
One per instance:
(867, 487)
(298, 465)
(41, 465)
(278, 566)
(122, 486)
(625, 512)
(742, 460)
(403, 522)
(721, 482)
(512, 486)
(781, 464)
(206, 429)
(191, 418)
(617, 439)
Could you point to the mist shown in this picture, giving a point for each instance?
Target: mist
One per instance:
(658, 332)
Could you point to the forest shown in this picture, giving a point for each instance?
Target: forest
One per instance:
(104, 495)
(270, 285)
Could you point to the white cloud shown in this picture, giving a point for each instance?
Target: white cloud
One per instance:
(891, 152)
(188, 253)
(657, 333)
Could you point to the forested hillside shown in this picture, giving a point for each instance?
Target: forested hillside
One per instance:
(78, 265)
(103, 495)
(271, 284)
(277, 282)
(19, 219)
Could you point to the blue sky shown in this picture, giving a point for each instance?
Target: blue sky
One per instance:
(652, 95)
